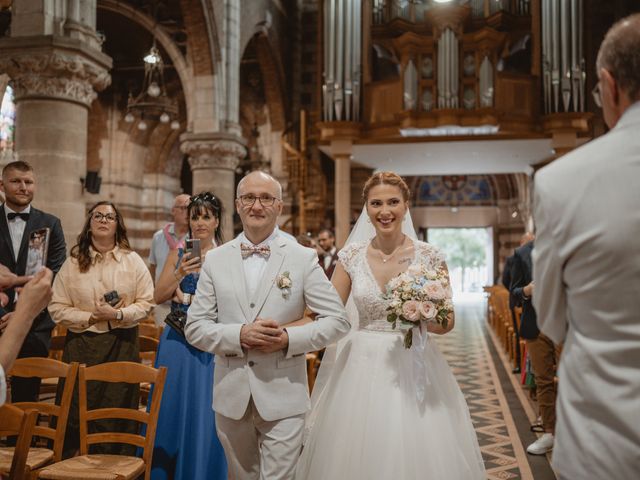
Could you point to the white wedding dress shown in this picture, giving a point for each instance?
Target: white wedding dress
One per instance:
(368, 422)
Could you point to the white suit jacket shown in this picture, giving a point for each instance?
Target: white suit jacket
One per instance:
(277, 382)
(587, 292)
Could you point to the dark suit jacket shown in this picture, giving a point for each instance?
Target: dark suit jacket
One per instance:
(521, 276)
(506, 281)
(40, 332)
(332, 266)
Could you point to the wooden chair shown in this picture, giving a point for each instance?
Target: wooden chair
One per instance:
(313, 362)
(119, 467)
(57, 346)
(47, 368)
(147, 329)
(148, 348)
(15, 421)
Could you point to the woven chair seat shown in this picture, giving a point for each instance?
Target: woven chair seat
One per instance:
(35, 459)
(95, 467)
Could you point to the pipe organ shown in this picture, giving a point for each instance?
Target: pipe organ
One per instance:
(465, 63)
(341, 89)
(448, 61)
(563, 75)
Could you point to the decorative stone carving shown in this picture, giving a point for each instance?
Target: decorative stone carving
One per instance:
(212, 153)
(55, 74)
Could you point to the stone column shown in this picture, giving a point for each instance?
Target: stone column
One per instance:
(55, 79)
(213, 158)
(341, 153)
(342, 197)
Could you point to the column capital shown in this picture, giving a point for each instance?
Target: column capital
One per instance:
(213, 151)
(54, 67)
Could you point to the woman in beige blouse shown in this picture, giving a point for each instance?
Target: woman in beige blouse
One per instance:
(99, 332)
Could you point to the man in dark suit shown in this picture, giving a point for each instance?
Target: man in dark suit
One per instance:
(328, 253)
(513, 303)
(17, 220)
(506, 281)
(542, 351)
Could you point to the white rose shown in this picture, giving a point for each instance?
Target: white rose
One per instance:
(427, 309)
(434, 290)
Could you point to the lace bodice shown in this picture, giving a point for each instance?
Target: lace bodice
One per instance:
(365, 291)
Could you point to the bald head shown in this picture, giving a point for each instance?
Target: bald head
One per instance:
(619, 54)
(181, 200)
(260, 177)
(179, 210)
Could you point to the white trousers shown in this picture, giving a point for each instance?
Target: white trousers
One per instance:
(257, 449)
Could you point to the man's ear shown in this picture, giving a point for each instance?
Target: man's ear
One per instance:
(609, 86)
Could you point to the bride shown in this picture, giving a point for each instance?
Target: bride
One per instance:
(385, 411)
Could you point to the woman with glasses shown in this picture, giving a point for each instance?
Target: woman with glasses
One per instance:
(100, 294)
(186, 445)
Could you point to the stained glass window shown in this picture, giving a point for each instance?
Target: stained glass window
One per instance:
(7, 124)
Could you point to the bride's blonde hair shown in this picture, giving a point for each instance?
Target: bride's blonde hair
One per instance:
(386, 178)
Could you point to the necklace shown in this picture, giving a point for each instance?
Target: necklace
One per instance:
(392, 254)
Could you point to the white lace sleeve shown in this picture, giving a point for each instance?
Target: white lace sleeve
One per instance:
(431, 255)
(347, 257)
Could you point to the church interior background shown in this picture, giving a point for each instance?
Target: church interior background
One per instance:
(135, 101)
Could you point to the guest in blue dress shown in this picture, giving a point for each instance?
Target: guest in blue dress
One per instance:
(186, 445)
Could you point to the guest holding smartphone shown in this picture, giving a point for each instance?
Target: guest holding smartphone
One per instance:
(186, 445)
(102, 263)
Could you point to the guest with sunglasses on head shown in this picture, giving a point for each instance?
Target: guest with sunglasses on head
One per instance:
(186, 445)
(100, 294)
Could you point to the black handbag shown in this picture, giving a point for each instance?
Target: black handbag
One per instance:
(177, 319)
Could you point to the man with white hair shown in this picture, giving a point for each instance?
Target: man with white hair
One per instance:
(587, 275)
(168, 238)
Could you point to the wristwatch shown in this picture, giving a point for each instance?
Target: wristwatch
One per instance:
(119, 315)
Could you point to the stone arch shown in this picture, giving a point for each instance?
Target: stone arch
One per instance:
(273, 76)
(177, 59)
(202, 41)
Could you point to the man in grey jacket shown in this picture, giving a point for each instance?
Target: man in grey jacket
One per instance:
(587, 275)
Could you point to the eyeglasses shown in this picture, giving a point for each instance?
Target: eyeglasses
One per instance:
(597, 95)
(99, 217)
(250, 199)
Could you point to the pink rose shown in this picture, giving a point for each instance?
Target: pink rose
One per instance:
(434, 290)
(428, 310)
(411, 310)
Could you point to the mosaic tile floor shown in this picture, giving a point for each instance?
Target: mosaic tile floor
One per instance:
(467, 353)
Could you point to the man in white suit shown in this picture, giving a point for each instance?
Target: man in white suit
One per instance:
(587, 275)
(248, 289)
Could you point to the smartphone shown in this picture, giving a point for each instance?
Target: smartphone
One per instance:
(192, 246)
(112, 298)
(37, 252)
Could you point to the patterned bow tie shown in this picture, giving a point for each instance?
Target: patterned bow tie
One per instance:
(248, 250)
(12, 215)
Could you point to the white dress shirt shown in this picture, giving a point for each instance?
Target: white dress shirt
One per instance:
(328, 257)
(16, 228)
(254, 265)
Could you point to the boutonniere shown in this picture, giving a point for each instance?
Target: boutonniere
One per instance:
(284, 283)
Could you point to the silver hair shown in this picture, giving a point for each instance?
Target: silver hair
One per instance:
(620, 54)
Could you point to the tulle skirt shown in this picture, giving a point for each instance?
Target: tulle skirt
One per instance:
(369, 424)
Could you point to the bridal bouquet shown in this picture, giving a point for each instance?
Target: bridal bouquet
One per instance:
(418, 295)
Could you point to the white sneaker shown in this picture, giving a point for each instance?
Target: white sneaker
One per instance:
(542, 445)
